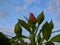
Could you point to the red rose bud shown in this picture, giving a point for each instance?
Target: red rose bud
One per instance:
(32, 17)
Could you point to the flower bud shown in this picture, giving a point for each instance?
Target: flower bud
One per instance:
(32, 17)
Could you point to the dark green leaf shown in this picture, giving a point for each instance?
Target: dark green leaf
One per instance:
(18, 29)
(38, 38)
(49, 43)
(40, 18)
(22, 41)
(40, 31)
(34, 29)
(32, 39)
(56, 38)
(51, 25)
(31, 23)
(24, 36)
(25, 25)
(13, 39)
(46, 31)
(41, 41)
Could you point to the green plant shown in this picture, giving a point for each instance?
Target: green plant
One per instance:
(32, 26)
(4, 40)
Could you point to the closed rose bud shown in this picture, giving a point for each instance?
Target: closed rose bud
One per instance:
(32, 17)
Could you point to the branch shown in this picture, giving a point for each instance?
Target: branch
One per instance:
(56, 31)
(52, 32)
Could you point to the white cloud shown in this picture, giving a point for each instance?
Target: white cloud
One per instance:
(53, 5)
(18, 8)
(23, 8)
(7, 31)
(29, 1)
(58, 2)
(51, 8)
(1, 14)
(54, 9)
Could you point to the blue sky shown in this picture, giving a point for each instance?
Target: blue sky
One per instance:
(11, 10)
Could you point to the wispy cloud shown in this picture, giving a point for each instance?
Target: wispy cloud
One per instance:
(19, 8)
(54, 9)
(29, 1)
(2, 14)
(24, 7)
(58, 2)
(53, 5)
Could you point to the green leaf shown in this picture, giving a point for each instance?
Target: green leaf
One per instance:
(40, 31)
(40, 18)
(46, 31)
(32, 39)
(31, 23)
(49, 43)
(22, 41)
(25, 18)
(24, 36)
(51, 25)
(38, 38)
(18, 29)
(13, 39)
(33, 29)
(41, 41)
(56, 38)
(25, 25)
